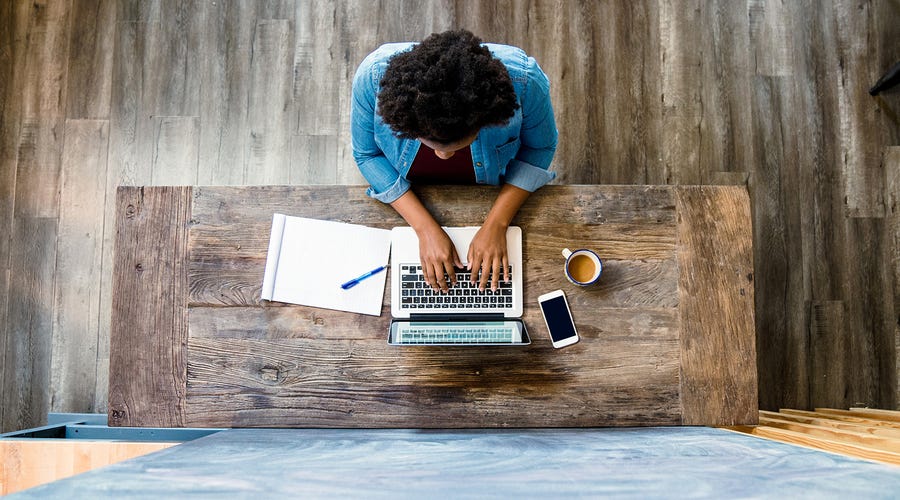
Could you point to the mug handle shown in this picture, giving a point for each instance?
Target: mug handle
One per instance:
(566, 252)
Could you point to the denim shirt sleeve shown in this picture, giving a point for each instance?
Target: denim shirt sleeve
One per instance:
(386, 182)
(529, 169)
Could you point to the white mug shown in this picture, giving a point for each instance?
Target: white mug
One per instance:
(583, 267)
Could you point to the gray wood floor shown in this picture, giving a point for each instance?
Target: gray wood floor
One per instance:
(771, 94)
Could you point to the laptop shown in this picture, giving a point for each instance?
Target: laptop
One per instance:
(464, 316)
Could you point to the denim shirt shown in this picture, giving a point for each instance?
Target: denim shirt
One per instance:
(518, 153)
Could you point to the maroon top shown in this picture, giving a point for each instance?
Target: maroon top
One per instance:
(427, 168)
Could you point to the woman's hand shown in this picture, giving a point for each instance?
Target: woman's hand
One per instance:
(487, 253)
(438, 257)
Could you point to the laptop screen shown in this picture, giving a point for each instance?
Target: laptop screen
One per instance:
(502, 332)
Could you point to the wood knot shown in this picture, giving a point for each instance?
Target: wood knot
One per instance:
(139, 268)
(319, 321)
(130, 211)
(117, 414)
(270, 374)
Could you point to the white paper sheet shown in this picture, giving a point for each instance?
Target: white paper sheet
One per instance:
(309, 259)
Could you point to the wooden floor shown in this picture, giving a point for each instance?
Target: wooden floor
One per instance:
(98, 93)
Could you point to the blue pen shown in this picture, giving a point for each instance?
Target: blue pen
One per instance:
(352, 283)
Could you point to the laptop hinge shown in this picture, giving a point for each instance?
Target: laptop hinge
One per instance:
(456, 317)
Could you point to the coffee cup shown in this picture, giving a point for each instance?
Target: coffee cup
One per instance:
(583, 266)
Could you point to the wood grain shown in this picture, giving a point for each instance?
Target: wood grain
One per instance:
(826, 341)
(228, 241)
(149, 314)
(90, 59)
(715, 289)
(26, 362)
(819, 422)
(892, 169)
(870, 434)
(10, 46)
(269, 108)
(303, 367)
(174, 150)
(803, 439)
(25, 463)
(831, 416)
(77, 290)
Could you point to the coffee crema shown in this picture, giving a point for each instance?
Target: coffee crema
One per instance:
(582, 268)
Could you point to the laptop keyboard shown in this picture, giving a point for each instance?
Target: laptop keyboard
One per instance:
(439, 334)
(416, 294)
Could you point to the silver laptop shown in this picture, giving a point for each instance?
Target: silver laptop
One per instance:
(462, 316)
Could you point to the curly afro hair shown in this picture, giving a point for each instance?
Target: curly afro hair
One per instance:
(445, 89)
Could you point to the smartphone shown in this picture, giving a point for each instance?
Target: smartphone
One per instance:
(558, 318)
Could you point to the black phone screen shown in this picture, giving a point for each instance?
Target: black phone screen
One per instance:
(556, 312)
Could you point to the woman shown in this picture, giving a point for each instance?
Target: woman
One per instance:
(451, 110)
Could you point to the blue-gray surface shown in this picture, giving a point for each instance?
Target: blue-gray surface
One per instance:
(648, 462)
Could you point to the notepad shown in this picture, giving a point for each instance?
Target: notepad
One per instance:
(308, 259)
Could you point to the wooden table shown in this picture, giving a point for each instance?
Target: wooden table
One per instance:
(667, 335)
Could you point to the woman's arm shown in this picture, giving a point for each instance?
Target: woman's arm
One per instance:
(436, 251)
(488, 252)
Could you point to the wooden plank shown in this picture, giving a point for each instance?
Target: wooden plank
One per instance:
(715, 256)
(174, 150)
(726, 148)
(828, 348)
(771, 25)
(831, 423)
(13, 19)
(229, 238)
(890, 415)
(316, 69)
(847, 436)
(149, 310)
(38, 167)
(138, 10)
(861, 169)
(25, 463)
(11, 61)
(25, 396)
(313, 159)
(871, 353)
(849, 449)
(861, 412)
(227, 37)
(90, 59)
(127, 166)
(781, 325)
(171, 84)
(892, 172)
(870, 422)
(619, 125)
(680, 90)
(295, 366)
(43, 104)
(73, 379)
(593, 206)
(269, 104)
